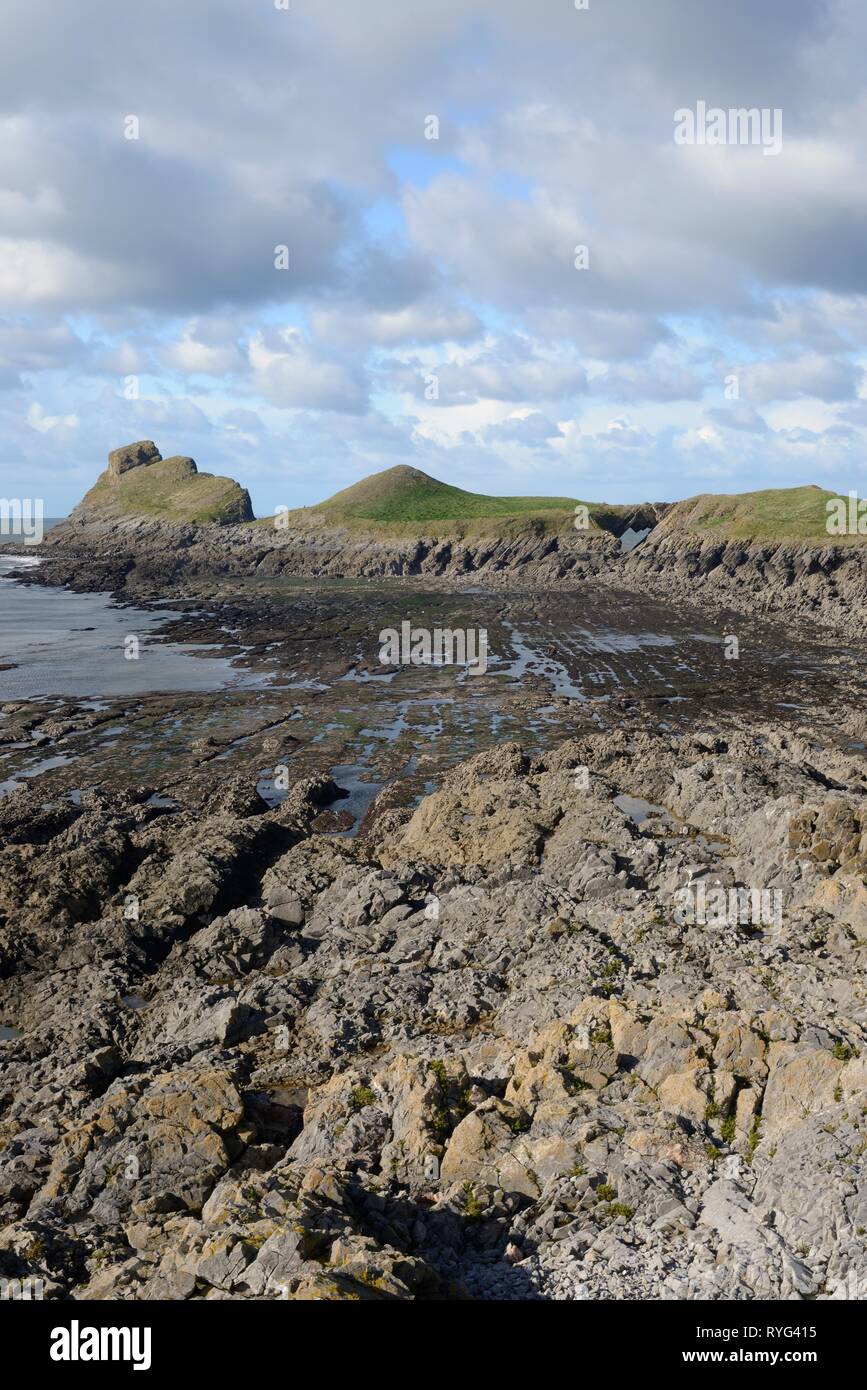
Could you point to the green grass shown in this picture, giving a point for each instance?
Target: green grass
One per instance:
(407, 494)
(400, 500)
(620, 1209)
(172, 490)
(793, 513)
(472, 1206)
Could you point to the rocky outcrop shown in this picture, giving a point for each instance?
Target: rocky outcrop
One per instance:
(140, 485)
(133, 456)
(155, 554)
(141, 528)
(481, 1051)
(824, 584)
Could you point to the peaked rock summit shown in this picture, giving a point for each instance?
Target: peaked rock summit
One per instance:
(133, 456)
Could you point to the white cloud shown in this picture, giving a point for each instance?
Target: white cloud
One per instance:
(38, 420)
(788, 379)
(155, 257)
(287, 372)
(189, 354)
(704, 438)
(425, 322)
(38, 274)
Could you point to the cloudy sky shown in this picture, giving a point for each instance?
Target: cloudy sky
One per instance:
(431, 311)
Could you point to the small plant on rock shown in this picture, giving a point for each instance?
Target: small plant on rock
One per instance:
(620, 1209)
(472, 1205)
(361, 1097)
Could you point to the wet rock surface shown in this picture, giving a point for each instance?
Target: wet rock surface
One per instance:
(310, 693)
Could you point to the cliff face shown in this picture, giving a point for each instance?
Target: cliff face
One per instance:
(822, 583)
(160, 552)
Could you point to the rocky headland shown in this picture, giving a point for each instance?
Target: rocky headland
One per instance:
(578, 1015)
(150, 523)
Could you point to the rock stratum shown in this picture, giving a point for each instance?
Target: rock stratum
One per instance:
(794, 581)
(476, 1053)
(149, 523)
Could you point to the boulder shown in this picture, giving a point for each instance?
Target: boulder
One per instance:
(132, 456)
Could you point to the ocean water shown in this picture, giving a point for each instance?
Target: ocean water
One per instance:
(55, 642)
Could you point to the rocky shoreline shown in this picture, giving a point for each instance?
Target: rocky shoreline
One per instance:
(825, 586)
(474, 1053)
(154, 555)
(477, 1037)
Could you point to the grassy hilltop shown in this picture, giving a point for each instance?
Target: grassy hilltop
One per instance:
(406, 494)
(774, 514)
(401, 500)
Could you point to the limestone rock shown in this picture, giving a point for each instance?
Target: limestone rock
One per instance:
(133, 456)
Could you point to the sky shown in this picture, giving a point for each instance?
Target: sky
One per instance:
(306, 240)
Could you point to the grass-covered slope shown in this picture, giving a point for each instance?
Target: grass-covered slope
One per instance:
(171, 490)
(774, 514)
(407, 494)
(401, 500)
